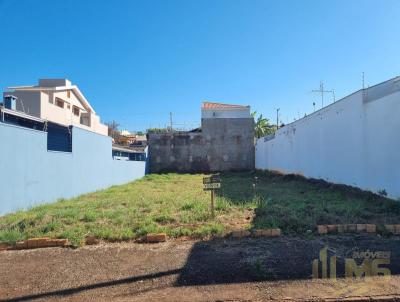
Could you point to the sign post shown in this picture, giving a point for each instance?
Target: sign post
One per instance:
(211, 183)
(212, 204)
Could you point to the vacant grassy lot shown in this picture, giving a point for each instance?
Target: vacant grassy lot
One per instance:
(177, 205)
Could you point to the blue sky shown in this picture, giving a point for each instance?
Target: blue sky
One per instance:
(136, 61)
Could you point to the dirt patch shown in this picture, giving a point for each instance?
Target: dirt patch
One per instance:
(224, 269)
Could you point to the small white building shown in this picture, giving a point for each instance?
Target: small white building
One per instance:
(218, 110)
(58, 101)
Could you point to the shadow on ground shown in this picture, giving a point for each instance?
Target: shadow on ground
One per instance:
(254, 259)
(94, 286)
(227, 261)
(298, 204)
(295, 205)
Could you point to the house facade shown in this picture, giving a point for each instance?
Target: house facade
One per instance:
(57, 101)
(125, 138)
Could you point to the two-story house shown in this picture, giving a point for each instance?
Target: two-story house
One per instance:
(57, 101)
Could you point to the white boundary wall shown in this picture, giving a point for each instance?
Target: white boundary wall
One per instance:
(355, 141)
(29, 174)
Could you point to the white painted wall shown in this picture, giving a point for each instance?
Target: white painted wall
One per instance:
(354, 141)
(30, 175)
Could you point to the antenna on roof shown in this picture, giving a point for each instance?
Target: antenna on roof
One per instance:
(277, 118)
(322, 91)
(363, 81)
(170, 121)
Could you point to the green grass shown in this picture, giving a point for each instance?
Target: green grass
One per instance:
(177, 205)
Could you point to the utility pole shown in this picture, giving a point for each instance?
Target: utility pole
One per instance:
(322, 91)
(277, 118)
(170, 121)
(363, 82)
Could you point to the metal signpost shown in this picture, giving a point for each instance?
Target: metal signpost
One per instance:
(211, 183)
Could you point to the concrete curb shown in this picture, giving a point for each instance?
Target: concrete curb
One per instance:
(393, 228)
(256, 233)
(91, 240)
(156, 238)
(34, 243)
(356, 228)
(346, 228)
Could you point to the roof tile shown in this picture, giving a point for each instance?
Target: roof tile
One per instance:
(210, 105)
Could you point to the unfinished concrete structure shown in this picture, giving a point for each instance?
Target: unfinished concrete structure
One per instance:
(225, 142)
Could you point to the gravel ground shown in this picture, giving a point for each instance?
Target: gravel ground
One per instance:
(218, 270)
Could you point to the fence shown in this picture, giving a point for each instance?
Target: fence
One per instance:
(354, 141)
(31, 174)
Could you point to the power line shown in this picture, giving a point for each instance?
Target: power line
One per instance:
(277, 118)
(170, 120)
(363, 80)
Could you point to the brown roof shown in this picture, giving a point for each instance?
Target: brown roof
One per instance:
(136, 149)
(209, 105)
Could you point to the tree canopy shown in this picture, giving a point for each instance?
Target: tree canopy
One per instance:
(262, 125)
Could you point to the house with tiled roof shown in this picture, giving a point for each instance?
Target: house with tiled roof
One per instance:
(224, 142)
(219, 110)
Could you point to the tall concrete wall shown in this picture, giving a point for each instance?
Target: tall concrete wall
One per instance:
(225, 113)
(354, 141)
(224, 144)
(31, 175)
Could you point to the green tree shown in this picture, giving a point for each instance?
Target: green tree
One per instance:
(262, 126)
(157, 130)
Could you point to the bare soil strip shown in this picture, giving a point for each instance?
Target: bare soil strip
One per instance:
(250, 269)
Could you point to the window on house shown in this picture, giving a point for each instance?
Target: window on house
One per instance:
(68, 106)
(75, 110)
(59, 103)
(68, 93)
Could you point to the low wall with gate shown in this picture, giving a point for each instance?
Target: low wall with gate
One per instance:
(30, 174)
